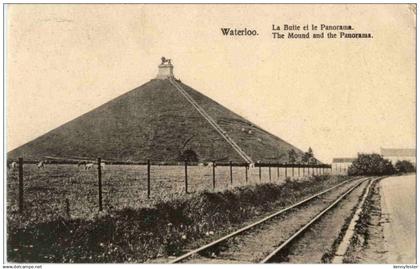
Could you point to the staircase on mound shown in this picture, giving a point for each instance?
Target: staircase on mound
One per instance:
(212, 122)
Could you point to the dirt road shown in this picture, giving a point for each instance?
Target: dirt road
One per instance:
(398, 203)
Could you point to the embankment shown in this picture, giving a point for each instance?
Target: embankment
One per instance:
(137, 235)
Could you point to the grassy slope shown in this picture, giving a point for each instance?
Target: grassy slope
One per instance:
(151, 122)
(259, 144)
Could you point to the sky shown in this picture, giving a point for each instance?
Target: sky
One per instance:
(338, 96)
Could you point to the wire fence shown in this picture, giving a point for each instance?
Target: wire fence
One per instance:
(74, 191)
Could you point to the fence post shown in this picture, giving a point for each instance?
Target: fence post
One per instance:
(293, 172)
(269, 171)
(259, 172)
(231, 176)
(278, 173)
(298, 171)
(100, 184)
(67, 208)
(148, 179)
(214, 175)
(186, 176)
(246, 173)
(285, 171)
(20, 185)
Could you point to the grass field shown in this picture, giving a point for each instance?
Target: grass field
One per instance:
(124, 186)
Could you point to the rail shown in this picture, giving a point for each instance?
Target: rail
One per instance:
(286, 243)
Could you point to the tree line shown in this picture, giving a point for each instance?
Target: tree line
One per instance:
(375, 165)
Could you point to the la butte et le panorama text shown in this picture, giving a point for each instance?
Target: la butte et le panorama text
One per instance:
(293, 31)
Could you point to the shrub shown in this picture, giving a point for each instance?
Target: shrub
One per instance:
(404, 167)
(320, 177)
(371, 165)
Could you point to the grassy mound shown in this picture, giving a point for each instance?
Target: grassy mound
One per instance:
(136, 235)
(154, 121)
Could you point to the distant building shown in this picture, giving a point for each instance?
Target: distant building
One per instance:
(401, 154)
(340, 166)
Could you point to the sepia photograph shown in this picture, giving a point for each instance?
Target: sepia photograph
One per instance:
(209, 134)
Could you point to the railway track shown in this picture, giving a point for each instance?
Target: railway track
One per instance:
(254, 243)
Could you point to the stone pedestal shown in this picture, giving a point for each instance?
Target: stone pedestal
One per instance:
(166, 70)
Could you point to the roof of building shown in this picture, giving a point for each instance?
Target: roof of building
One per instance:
(398, 152)
(343, 160)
